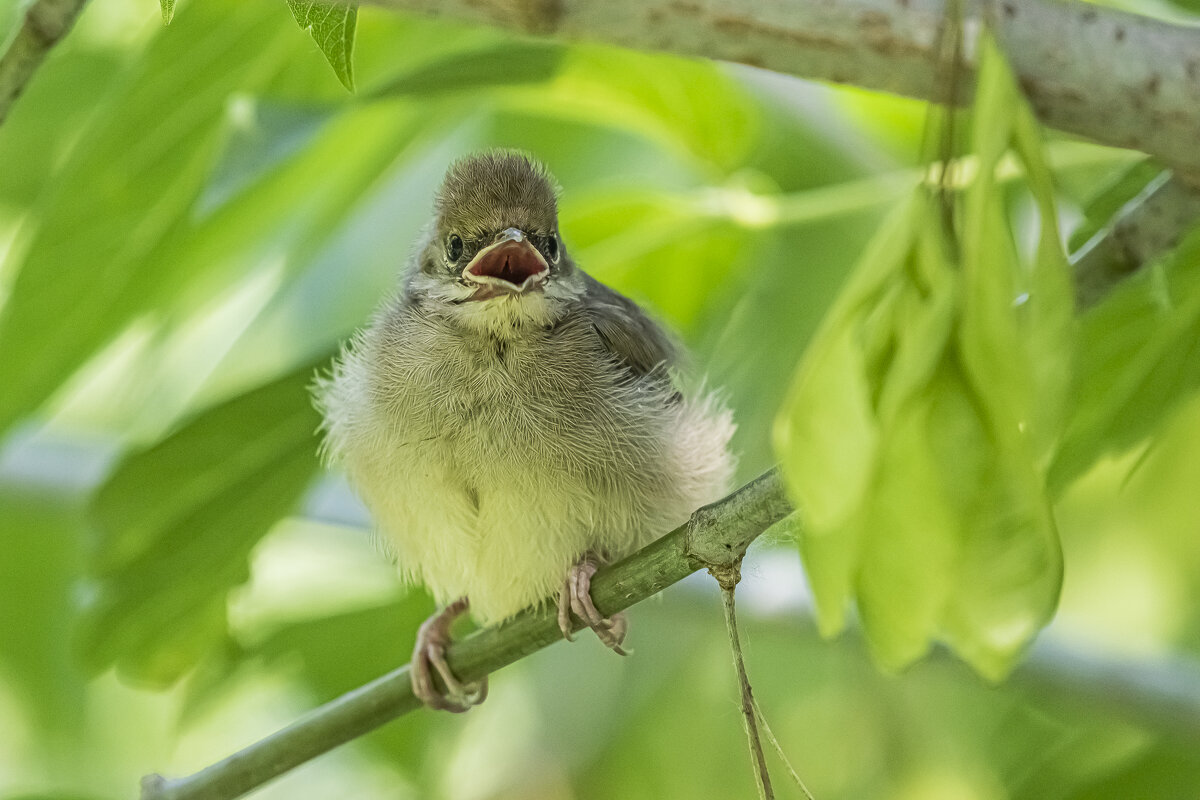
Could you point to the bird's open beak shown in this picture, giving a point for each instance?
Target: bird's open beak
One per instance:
(510, 265)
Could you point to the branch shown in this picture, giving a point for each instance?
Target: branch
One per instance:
(1117, 78)
(715, 537)
(46, 21)
(1146, 228)
(1113, 77)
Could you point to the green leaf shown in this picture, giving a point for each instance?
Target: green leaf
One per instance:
(1009, 567)
(908, 527)
(332, 26)
(335, 654)
(827, 433)
(688, 106)
(1045, 305)
(176, 522)
(502, 64)
(261, 138)
(124, 204)
(909, 547)
(1102, 208)
(1138, 359)
(916, 434)
(1015, 348)
(168, 10)
(42, 539)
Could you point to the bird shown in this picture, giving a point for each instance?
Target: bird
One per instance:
(511, 423)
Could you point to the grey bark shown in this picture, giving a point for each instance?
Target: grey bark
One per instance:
(1116, 78)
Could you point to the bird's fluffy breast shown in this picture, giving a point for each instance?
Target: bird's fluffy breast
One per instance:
(492, 465)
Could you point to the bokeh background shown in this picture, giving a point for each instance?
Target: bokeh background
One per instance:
(193, 218)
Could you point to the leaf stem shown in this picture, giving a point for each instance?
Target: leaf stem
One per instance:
(758, 759)
(779, 751)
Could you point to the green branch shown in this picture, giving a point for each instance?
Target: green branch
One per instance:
(46, 22)
(715, 537)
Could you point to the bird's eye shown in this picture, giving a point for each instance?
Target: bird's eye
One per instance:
(454, 247)
(552, 247)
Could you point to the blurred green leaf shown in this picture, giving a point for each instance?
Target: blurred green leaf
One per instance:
(916, 432)
(41, 538)
(121, 204)
(260, 138)
(656, 247)
(827, 433)
(1099, 212)
(1192, 6)
(168, 10)
(380, 638)
(10, 11)
(495, 64)
(688, 106)
(176, 522)
(770, 295)
(336, 654)
(331, 25)
(1045, 298)
(39, 132)
(1014, 344)
(1138, 359)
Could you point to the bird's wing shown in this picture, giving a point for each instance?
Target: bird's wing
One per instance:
(627, 331)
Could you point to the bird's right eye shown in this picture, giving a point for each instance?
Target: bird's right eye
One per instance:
(454, 247)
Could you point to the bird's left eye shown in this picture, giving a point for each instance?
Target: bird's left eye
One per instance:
(552, 247)
(454, 247)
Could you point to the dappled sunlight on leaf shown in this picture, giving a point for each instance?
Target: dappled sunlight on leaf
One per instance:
(115, 258)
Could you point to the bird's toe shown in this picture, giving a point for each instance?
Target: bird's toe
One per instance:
(429, 657)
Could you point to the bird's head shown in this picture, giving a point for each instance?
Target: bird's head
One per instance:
(493, 256)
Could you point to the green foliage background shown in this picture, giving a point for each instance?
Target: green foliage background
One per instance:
(192, 218)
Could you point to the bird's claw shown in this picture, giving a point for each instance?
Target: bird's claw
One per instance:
(429, 656)
(576, 597)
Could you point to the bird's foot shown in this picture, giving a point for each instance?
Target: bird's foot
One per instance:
(429, 656)
(576, 596)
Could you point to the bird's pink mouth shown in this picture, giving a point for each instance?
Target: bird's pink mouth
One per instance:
(510, 266)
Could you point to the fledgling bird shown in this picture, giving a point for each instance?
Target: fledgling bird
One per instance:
(511, 422)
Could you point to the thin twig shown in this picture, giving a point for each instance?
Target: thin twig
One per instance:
(779, 751)
(46, 22)
(758, 758)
